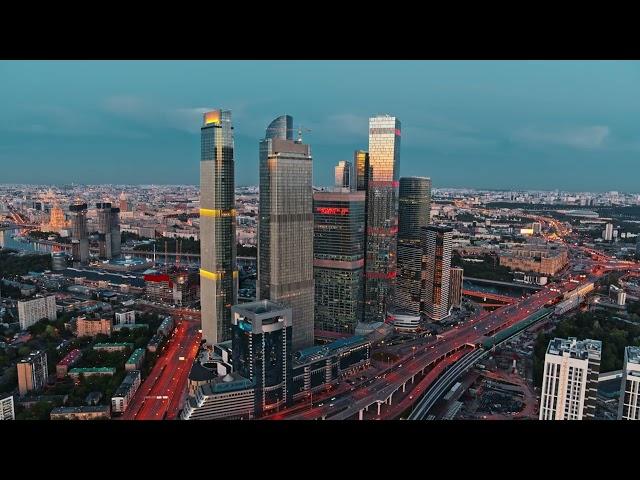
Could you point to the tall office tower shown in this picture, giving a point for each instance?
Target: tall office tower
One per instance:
(32, 372)
(413, 214)
(455, 288)
(338, 260)
(115, 232)
(79, 232)
(437, 245)
(104, 229)
(285, 226)
(382, 216)
(361, 163)
(570, 381)
(607, 234)
(629, 404)
(218, 268)
(344, 175)
(262, 353)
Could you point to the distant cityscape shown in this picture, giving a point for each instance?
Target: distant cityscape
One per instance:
(379, 297)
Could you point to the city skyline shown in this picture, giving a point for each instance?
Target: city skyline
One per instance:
(500, 124)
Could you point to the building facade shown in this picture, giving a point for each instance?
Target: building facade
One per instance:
(546, 260)
(629, 404)
(90, 327)
(218, 271)
(285, 228)
(79, 233)
(361, 166)
(103, 210)
(344, 175)
(32, 311)
(413, 214)
(125, 392)
(338, 260)
(87, 412)
(262, 353)
(230, 397)
(455, 288)
(570, 381)
(382, 216)
(33, 372)
(437, 247)
(7, 408)
(62, 367)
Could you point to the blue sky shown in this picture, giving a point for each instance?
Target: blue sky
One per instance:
(488, 124)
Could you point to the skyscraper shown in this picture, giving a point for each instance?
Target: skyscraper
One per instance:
(382, 215)
(413, 214)
(218, 269)
(455, 289)
(437, 245)
(338, 260)
(285, 226)
(570, 381)
(104, 229)
(262, 351)
(607, 234)
(79, 232)
(344, 175)
(115, 232)
(629, 404)
(361, 163)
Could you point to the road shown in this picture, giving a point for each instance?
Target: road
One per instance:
(164, 390)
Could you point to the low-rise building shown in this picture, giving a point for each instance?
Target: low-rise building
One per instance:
(87, 412)
(125, 392)
(231, 397)
(90, 327)
(113, 347)
(62, 367)
(91, 371)
(7, 409)
(135, 360)
(547, 260)
(125, 318)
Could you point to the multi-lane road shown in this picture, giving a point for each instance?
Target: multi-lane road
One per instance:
(162, 393)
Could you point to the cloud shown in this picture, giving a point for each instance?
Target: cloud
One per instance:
(586, 137)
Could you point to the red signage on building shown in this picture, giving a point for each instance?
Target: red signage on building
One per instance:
(332, 210)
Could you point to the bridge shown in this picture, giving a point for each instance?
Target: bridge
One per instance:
(500, 299)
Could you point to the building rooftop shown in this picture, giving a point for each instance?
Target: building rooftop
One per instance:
(230, 382)
(633, 354)
(83, 409)
(93, 370)
(313, 353)
(98, 346)
(136, 355)
(574, 348)
(260, 307)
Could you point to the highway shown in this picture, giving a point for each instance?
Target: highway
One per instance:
(162, 393)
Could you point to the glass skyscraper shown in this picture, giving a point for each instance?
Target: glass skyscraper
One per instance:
(285, 227)
(344, 175)
(437, 245)
(382, 215)
(413, 214)
(361, 163)
(338, 260)
(218, 270)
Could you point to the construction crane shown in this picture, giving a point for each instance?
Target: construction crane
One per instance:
(299, 130)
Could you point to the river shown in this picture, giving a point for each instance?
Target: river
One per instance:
(7, 241)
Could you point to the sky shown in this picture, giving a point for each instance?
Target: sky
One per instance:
(569, 125)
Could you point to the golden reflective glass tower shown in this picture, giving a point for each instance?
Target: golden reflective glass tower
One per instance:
(218, 270)
(382, 215)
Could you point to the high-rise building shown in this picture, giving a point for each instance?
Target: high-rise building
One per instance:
(7, 410)
(437, 246)
(629, 404)
(455, 289)
(285, 226)
(361, 163)
(382, 215)
(338, 260)
(115, 232)
(262, 351)
(34, 310)
(124, 202)
(570, 382)
(79, 232)
(104, 229)
(607, 234)
(32, 372)
(344, 175)
(413, 214)
(218, 270)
